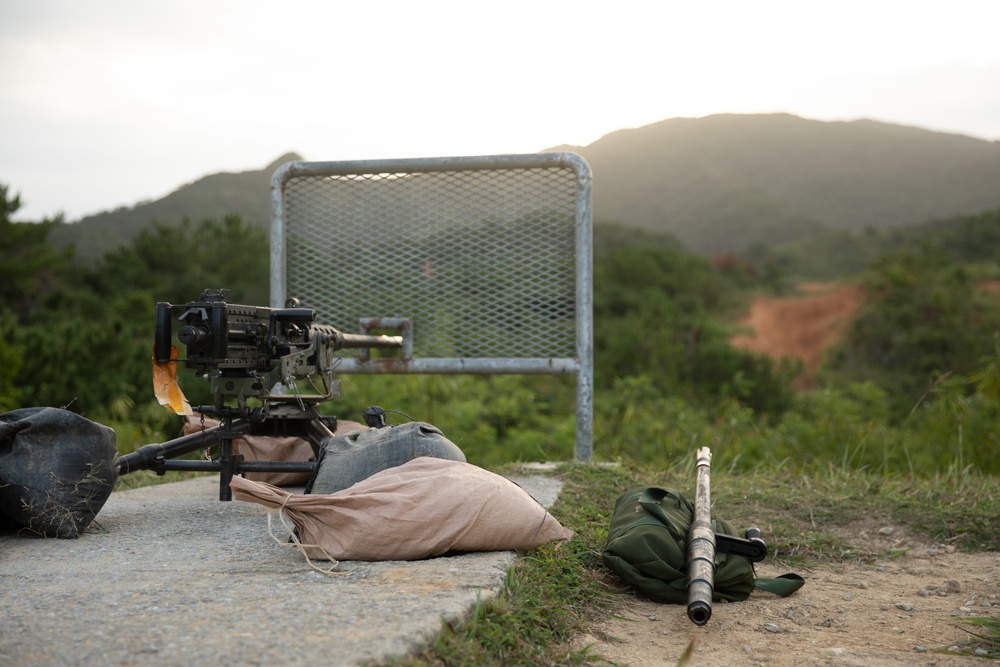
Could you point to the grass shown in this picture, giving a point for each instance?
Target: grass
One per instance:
(555, 593)
(525, 624)
(985, 638)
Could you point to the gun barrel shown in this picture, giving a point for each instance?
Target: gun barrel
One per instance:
(701, 545)
(350, 340)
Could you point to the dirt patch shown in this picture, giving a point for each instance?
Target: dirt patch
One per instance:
(800, 327)
(889, 612)
(989, 285)
(803, 327)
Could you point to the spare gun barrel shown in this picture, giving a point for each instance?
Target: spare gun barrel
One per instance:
(701, 545)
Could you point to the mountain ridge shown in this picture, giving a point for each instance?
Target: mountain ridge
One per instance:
(727, 180)
(213, 196)
(719, 183)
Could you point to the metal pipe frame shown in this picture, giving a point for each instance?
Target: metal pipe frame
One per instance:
(582, 366)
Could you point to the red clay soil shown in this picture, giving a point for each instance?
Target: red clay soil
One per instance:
(989, 285)
(800, 327)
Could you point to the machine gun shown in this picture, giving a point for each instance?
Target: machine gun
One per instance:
(703, 542)
(269, 369)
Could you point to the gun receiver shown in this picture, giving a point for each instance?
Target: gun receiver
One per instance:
(704, 542)
(257, 352)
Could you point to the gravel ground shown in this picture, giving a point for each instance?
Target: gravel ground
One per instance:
(173, 576)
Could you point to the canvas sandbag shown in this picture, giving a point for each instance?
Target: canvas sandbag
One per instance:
(347, 458)
(423, 508)
(647, 547)
(57, 469)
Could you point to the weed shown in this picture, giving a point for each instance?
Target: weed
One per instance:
(984, 643)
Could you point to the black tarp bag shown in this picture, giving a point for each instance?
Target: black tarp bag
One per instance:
(57, 469)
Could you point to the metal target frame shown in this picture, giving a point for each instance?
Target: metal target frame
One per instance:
(483, 264)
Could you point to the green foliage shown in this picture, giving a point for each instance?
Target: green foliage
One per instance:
(848, 427)
(755, 380)
(494, 419)
(974, 238)
(987, 378)
(923, 321)
(969, 239)
(667, 379)
(984, 639)
(11, 359)
(656, 313)
(31, 269)
(87, 344)
(66, 360)
(608, 236)
(826, 256)
(175, 263)
(30, 266)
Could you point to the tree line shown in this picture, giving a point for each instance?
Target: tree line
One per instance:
(79, 335)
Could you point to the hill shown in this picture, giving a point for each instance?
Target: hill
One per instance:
(722, 182)
(247, 194)
(719, 183)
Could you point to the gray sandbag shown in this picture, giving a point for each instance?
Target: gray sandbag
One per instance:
(57, 469)
(345, 460)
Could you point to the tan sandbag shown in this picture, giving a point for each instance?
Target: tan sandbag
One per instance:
(269, 448)
(423, 508)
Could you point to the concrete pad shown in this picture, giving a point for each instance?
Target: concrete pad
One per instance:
(169, 575)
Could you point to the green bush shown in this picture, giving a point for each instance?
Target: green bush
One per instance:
(923, 320)
(11, 359)
(656, 314)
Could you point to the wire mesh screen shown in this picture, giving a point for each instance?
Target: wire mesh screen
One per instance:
(484, 260)
(487, 258)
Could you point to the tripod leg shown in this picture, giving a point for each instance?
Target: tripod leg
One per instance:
(145, 457)
(229, 464)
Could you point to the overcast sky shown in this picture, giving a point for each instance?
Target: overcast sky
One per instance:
(106, 103)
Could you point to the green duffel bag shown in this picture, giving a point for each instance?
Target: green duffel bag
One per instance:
(647, 547)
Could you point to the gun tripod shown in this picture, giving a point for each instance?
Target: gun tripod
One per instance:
(304, 422)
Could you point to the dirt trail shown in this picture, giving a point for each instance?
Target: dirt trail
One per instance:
(801, 327)
(892, 612)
